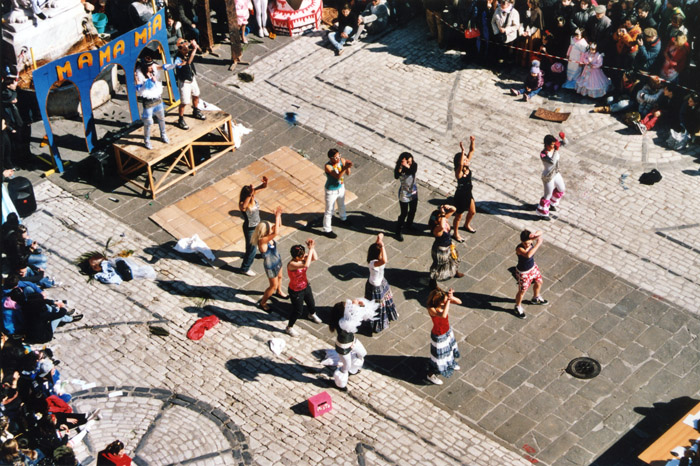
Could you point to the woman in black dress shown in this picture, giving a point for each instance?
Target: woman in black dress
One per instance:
(464, 201)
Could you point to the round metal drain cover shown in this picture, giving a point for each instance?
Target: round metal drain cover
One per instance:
(583, 368)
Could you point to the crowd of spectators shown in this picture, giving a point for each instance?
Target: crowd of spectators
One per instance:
(38, 426)
(638, 55)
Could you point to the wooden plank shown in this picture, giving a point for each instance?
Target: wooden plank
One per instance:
(180, 147)
(133, 145)
(679, 435)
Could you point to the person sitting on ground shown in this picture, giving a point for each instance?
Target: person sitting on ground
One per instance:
(533, 83)
(37, 276)
(348, 26)
(374, 19)
(113, 455)
(12, 454)
(43, 316)
(622, 96)
(649, 94)
(689, 117)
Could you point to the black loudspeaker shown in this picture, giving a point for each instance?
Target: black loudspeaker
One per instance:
(22, 195)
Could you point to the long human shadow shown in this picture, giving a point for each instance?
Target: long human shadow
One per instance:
(657, 420)
(359, 221)
(246, 318)
(220, 293)
(484, 301)
(411, 369)
(520, 211)
(249, 369)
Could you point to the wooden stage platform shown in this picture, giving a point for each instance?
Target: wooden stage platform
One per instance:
(162, 171)
(680, 435)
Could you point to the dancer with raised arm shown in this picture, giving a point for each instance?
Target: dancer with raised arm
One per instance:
(299, 288)
(527, 271)
(264, 236)
(464, 201)
(377, 289)
(443, 346)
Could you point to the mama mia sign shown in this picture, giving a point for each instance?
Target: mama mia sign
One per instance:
(82, 68)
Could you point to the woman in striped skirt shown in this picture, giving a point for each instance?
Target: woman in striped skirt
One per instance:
(377, 289)
(443, 346)
(445, 258)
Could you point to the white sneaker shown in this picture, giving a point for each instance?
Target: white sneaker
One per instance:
(314, 318)
(250, 273)
(292, 332)
(434, 379)
(456, 367)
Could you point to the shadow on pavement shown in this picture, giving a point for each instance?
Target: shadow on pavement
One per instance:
(250, 368)
(221, 293)
(509, 210)
(249, 319)
(411, 369)
(657, 420)
(485, 301)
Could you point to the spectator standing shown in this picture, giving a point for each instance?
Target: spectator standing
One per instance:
(649, 50)
(530, 31)
(592, 82)
(505, 25)
(186, 13)
(675, 58)
(527, 271)
(577, 48)
(336, 169)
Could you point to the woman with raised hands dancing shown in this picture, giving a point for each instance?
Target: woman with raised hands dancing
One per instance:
(464, 201)
(250, 208)
(299, 288)
(264, 236)
(443, 346)
(377, 289)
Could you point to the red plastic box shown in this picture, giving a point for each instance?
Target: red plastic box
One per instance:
(320, 404)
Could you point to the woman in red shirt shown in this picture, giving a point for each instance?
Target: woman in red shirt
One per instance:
(113, 455)
(299, 288)
(443, 346)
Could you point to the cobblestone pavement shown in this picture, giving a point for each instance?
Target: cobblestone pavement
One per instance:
(225, 399)
(403, 93)
(511, 386)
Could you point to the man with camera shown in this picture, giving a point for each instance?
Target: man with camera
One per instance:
(185, 73)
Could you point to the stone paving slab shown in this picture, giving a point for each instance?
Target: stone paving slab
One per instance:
(403, 93)
(226, 395)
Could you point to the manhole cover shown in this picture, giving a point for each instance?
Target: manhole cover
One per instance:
(583, 368)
